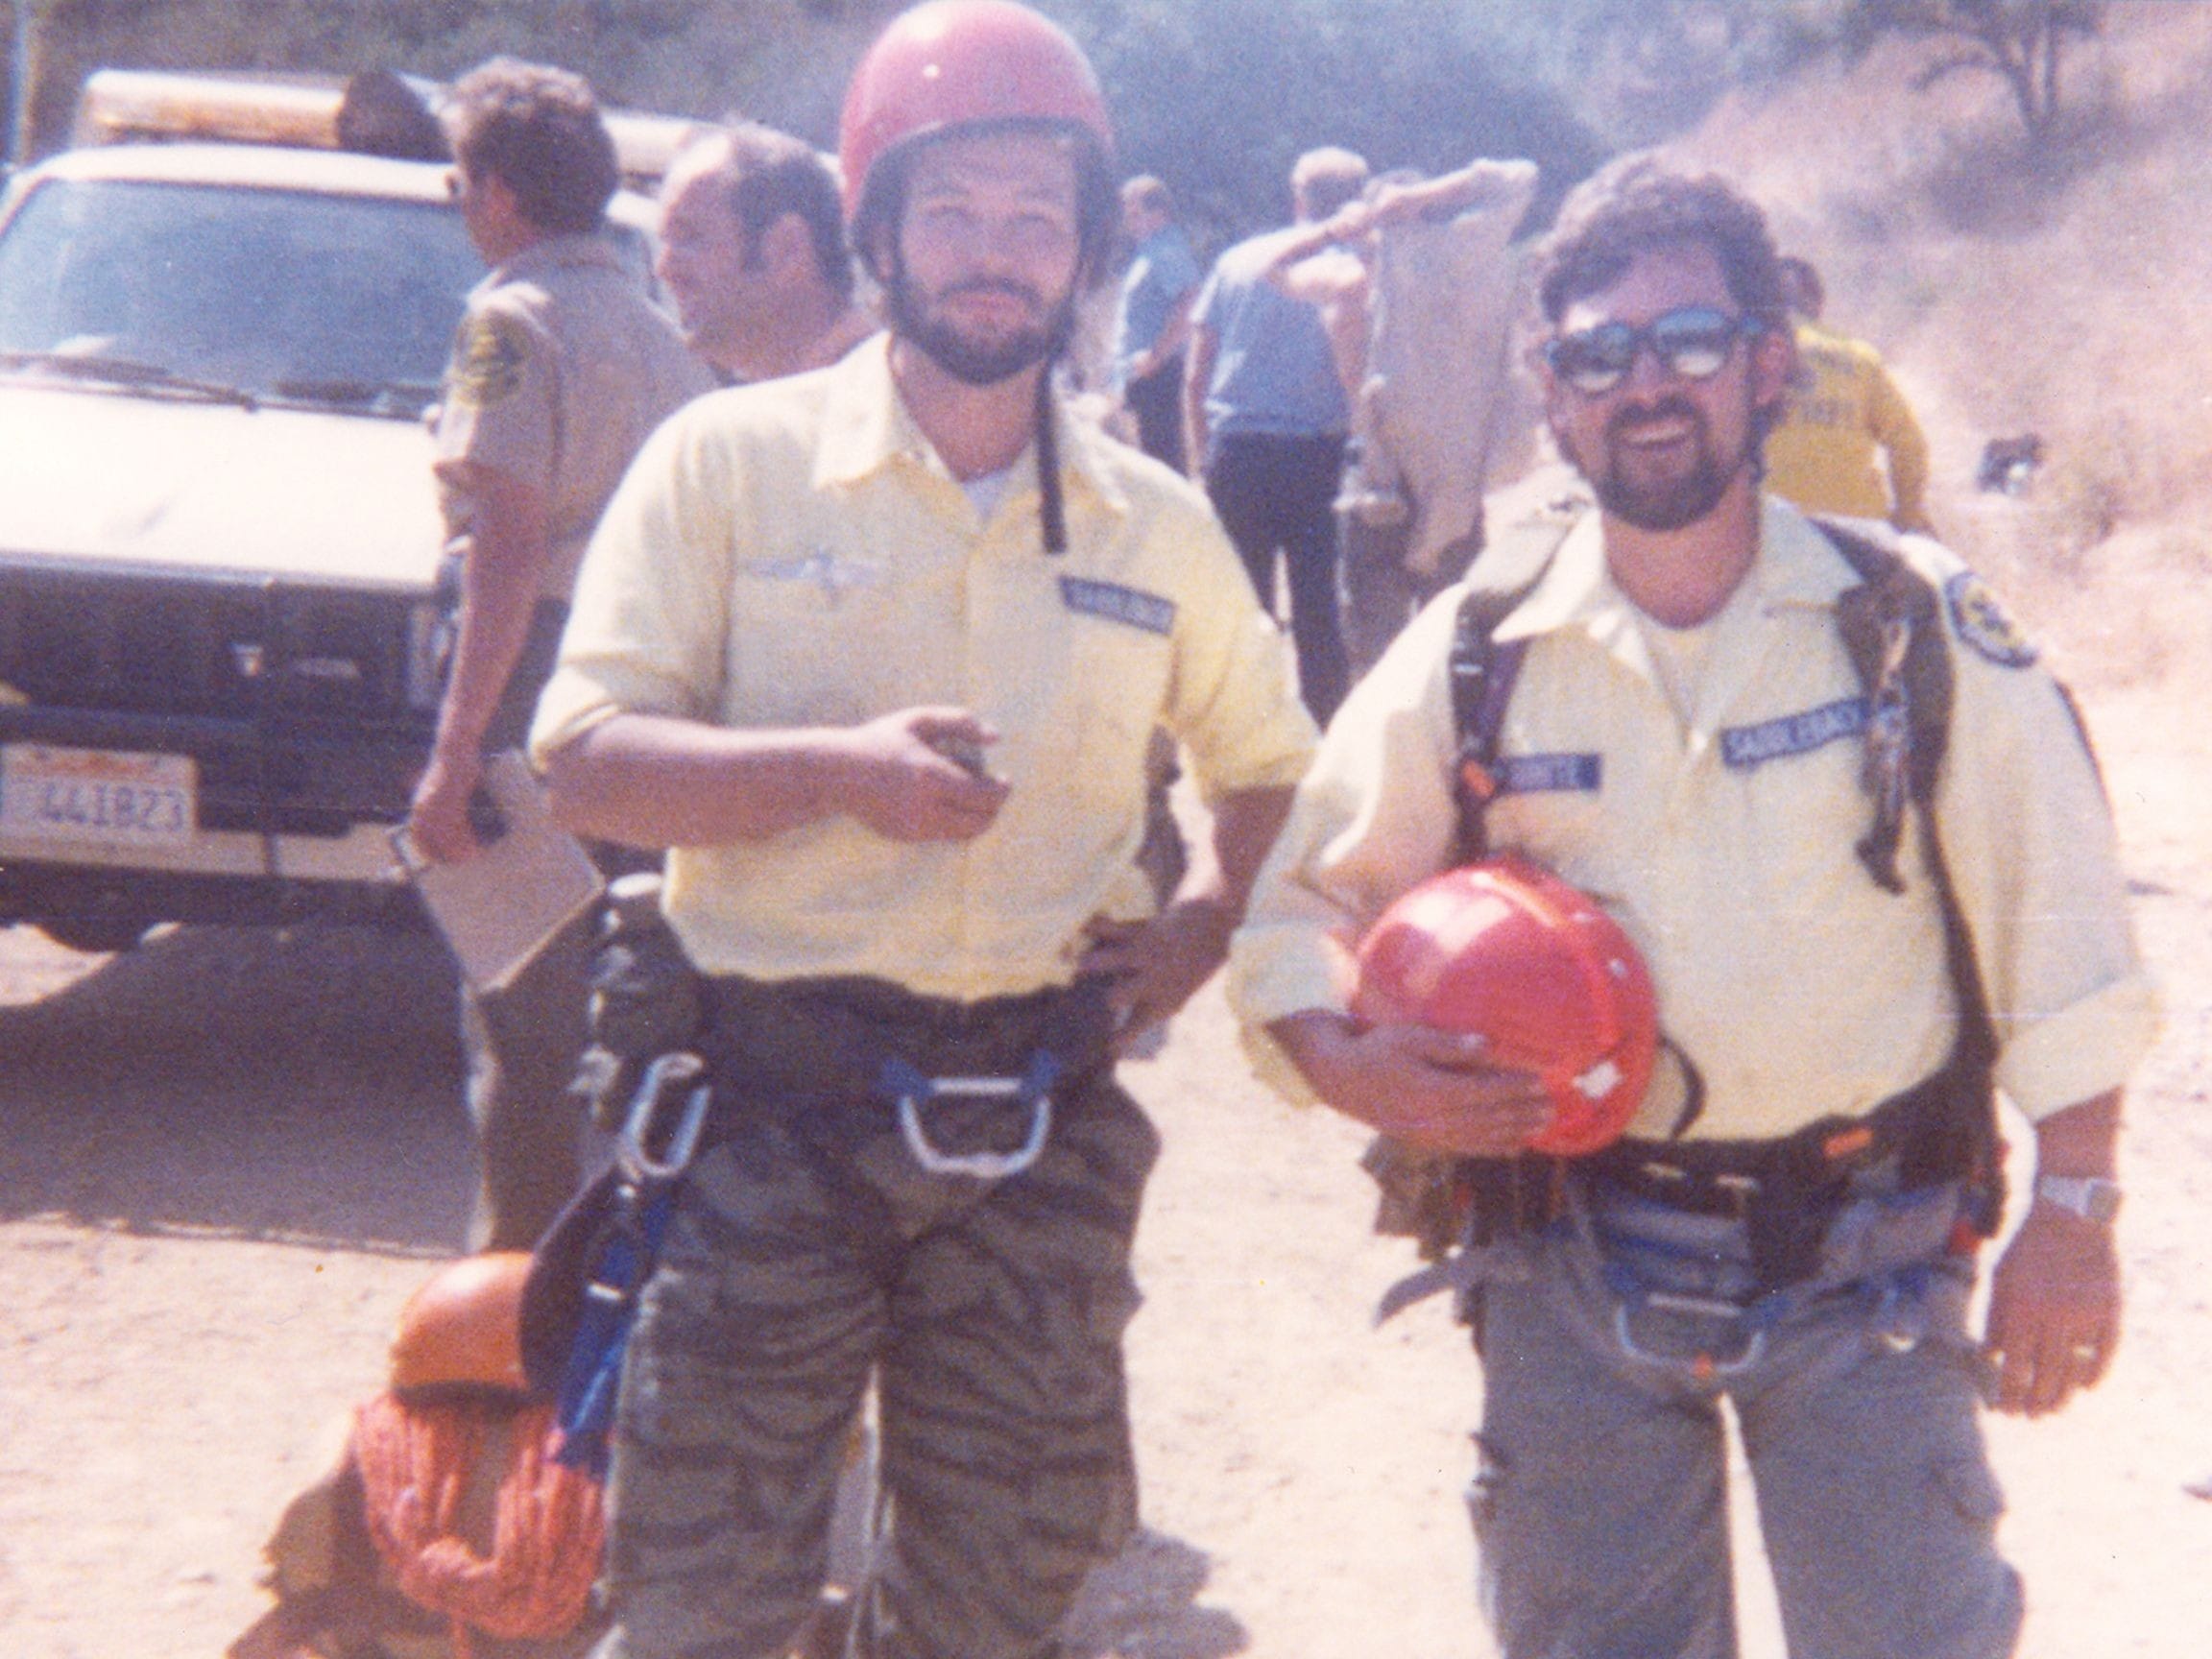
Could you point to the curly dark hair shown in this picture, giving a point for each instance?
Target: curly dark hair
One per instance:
(537, 129)
(1638, 202)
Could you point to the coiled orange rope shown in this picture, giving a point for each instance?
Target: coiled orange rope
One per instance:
(548, 1528)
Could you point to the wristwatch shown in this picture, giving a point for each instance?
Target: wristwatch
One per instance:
(2091, 1197)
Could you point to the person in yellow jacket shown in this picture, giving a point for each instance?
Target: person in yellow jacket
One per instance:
(1843, 409)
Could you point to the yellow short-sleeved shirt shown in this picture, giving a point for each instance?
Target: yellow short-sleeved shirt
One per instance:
(796, 554)
(1723, 842)
(1847, 441)
(561, 365)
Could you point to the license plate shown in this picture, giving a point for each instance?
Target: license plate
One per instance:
(110, 796)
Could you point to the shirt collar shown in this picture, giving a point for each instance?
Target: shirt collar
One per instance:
(867, 427)
(1797, 568)
(571, 250)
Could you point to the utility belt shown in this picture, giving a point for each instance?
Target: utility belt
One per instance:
(972, 1087)
(1786, 1191)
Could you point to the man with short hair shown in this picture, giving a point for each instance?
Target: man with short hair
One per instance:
(1152, 319)
(561, 367)
(1859, 841)
(752, 254)
(1265, 418)
(876, 653)
(1847, 440)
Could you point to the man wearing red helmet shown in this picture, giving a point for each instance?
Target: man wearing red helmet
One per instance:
(1856, 835)
(876, 653)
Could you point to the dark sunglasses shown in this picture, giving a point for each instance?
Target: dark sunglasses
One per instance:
(1694, 343)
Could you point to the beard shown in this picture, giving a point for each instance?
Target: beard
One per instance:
(1627, 491)
(972, 361)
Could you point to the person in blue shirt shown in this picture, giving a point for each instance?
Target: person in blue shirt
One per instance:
(1152, 322)
(1266, 418)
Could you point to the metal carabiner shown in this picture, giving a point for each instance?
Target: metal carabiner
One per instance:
(984, 1166)
(664, 1079)
(1703, 1365)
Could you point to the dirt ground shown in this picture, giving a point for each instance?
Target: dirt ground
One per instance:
(225, 1160)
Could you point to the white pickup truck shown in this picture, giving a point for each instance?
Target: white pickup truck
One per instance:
(221, 648)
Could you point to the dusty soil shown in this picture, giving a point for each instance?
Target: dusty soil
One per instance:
(225, 1160)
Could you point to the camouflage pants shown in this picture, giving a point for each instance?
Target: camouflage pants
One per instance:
(809, 1251)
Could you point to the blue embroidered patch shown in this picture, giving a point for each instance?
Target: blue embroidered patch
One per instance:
(1981, 622)
(1550, 774)
(1746, 746)
(1129, 606)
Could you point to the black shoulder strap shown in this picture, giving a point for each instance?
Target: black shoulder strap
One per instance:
(1484, 671)
(1892, 627)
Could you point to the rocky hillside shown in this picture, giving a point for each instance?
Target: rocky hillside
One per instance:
(2065, 299)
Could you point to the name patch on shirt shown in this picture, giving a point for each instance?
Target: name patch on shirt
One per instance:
(1131, 607)
(1550, 774)
(1744, 747)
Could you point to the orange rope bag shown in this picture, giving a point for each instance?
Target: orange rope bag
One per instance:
(417, 1459)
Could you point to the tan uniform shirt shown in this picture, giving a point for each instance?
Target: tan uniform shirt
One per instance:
(1723, 842)
(796, 554)
(561, 367)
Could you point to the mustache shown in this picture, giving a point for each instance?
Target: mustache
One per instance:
(999, 285)
(1672, 406)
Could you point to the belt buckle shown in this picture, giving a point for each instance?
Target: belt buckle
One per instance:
(1740, 1190)
(921, 1091)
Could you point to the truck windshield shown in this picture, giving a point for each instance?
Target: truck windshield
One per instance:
(284, 296)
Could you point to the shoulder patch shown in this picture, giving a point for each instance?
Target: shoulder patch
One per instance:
(488, 359)
(1977, 619)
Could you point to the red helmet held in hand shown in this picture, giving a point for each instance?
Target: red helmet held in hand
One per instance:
(1507, 951)
(952, 64)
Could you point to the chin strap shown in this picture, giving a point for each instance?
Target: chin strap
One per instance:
(1051, 510)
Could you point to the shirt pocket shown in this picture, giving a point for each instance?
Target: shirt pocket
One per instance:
(809, 638)
(1114, 683)
(1801, 806)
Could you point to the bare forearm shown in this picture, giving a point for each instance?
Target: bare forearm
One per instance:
(2082, 1139)
(1210, 901)
(501, 575)
(652, 781)
(1315, 1039)
(1429, 1087)
(1245, 825)
(1197, 376)
(655, 780)
(1176, 335)
(1475, 184)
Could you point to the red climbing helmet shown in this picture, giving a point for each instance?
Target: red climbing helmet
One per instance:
(954, 63)
(1506, 949)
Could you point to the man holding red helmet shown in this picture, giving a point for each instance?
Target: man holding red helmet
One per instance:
(876, 653)
(1851, 827)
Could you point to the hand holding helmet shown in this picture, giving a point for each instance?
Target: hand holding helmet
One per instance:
(1508, 952)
